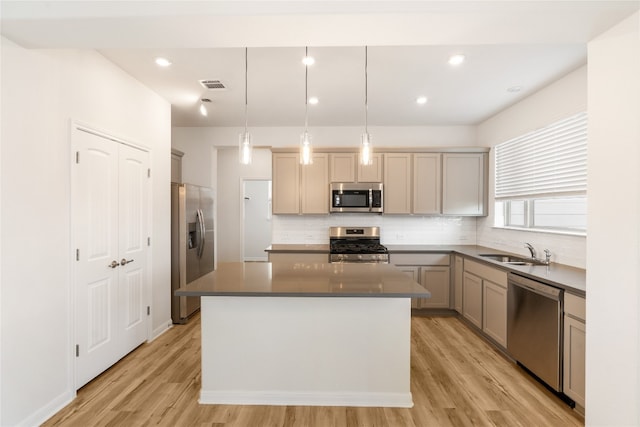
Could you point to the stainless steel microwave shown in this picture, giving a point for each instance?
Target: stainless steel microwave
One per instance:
(351, 197)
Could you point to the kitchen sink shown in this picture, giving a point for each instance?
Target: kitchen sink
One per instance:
(511, 259)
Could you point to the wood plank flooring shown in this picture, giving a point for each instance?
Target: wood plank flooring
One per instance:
(457, 379)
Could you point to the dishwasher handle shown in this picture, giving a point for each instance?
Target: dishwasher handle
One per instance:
(537, 287)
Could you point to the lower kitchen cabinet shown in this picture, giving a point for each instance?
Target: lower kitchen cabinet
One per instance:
(494, 312)
(458, 271)
(472, 299)
(484, 300)
(298, 257)
(432, 271)
(574, 348)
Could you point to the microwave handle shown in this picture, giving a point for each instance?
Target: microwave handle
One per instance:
(370, 199)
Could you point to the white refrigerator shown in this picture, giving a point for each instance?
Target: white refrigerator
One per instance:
(192, 245)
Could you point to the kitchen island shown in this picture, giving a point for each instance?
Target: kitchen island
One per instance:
(306, 334)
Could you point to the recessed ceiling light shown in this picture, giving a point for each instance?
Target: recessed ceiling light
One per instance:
(313, 100)
(514, 89)
(308, 60)
(421, 100)
(456, 59)
(162, 62)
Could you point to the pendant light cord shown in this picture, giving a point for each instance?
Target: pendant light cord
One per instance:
(306, 80)
(366, 89)
(246, 96)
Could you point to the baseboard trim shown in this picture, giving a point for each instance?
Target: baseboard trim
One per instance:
(278, 398)
(49, 410)
(164, 327)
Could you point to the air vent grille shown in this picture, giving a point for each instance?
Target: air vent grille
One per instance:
(213, 84)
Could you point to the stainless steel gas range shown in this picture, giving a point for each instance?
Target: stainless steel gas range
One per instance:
(356, 244)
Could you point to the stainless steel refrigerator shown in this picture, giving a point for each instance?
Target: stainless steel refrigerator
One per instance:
(192, 246)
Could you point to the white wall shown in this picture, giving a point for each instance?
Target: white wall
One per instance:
(613, 248)
(562, 98)
(42, 90)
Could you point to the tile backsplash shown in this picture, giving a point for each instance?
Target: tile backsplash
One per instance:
(408, 230)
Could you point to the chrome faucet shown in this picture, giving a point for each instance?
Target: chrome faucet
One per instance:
(531, 249)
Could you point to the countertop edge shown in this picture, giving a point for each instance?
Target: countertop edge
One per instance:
(187, 293)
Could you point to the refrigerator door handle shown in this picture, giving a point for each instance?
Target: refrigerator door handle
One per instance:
(202, 232)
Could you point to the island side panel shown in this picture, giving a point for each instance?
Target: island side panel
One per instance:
(306, 351)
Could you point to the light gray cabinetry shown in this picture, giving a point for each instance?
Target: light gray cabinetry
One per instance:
(372, 172)
(472, 299)
(574, 348)
(464, 183)
(427, 185)
(300, 189)
(485, 299)
(432, 271)
(458, 271)
(342, 167)
(397, 183)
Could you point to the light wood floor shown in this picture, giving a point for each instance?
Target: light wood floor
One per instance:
(456, 379)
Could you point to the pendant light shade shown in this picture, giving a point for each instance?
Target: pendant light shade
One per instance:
(366, 154)
(306, 149)
(245, 145)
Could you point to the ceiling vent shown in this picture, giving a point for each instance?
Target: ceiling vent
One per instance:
(213, 84)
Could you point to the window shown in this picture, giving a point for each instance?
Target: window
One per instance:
(541, 178)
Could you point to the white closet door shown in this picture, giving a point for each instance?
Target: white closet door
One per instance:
(133, 233)
(110, 193)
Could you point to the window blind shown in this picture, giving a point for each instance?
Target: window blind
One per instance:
(551, 161)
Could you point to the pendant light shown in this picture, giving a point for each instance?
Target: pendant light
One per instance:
(366, 157)
(245, 145)
(306, 150)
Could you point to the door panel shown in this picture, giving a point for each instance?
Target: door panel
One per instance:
(110, 217)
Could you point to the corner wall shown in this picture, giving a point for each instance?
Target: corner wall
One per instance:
(613, 246)
(560, 99)
(42, 91)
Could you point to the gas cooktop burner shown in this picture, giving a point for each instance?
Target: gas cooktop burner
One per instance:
(356, 244)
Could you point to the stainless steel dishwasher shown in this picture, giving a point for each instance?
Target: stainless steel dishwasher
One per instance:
(534, 328)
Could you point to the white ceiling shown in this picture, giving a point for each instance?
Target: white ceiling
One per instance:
(506, 43)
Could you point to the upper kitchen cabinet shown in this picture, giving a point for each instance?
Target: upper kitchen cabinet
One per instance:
(346, 167)
(397, 183)
(286, 183)
(372, 172)
(464, 183)
(300, 189)
(315, 188)
(426, 183)
(343, 167)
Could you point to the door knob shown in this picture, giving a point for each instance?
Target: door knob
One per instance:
(123, 261)
(113, 264)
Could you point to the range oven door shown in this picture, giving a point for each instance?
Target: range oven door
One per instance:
(349, 197)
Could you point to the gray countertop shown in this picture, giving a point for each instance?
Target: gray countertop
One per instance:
(571, 279)
(305, 280)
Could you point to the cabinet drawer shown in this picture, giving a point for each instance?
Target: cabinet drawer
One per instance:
(419, 259)
(575, 306)
(498, 277)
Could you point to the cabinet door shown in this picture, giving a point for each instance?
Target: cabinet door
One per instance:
(494, 312)
(372, 172)
(458, 270)
(574, 359)
(414, 273)
(343, 167)
(436, 281)
(472, 299)
(397, 183)
(315, 185)
(426, 183)
(286, 183)
(463, 184)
